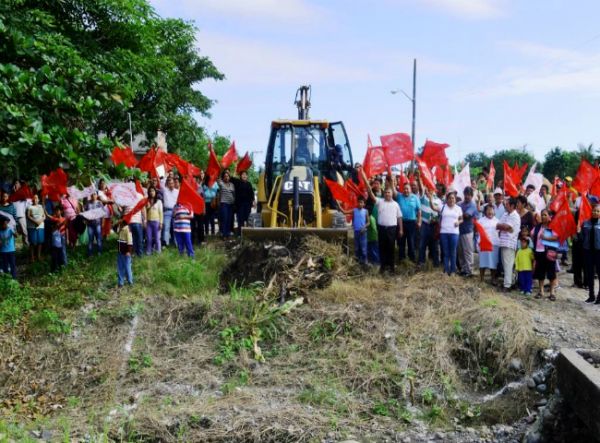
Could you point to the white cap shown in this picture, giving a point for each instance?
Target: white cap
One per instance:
(498, 191)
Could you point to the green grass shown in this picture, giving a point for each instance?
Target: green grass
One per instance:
(48, 301)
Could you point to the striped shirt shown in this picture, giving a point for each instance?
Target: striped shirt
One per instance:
(227, 192)
(180, 221)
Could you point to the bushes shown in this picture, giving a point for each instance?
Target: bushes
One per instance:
(15, 301)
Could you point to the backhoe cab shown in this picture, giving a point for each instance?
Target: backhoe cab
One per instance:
(292, 195)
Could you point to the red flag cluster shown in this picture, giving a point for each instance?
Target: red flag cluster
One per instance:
(123, 156)
(24, 193)
(54, 185)
(511, 181)
(397, 148)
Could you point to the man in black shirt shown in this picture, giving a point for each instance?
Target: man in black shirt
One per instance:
(244, 199)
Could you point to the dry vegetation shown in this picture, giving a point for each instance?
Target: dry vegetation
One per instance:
(363, 355)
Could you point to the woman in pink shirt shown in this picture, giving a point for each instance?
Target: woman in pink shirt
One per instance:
(70, 207)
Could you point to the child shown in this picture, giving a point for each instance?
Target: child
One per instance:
(7, 248)
(124, 251)
(524, 266)
(182, 226)
(360, 223)
(372, 240)
(58, 240)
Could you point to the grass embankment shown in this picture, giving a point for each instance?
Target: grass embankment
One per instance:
(174, 359)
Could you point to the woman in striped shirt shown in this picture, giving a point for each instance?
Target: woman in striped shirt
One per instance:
(182, 226)
(226, 201)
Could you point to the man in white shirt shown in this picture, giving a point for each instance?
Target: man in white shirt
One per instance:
(170, 195)
(389, 227)
(20, 209)
(509, 227)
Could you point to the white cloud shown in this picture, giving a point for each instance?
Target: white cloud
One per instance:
(548, 70)
(249, 61)
(469, 9)
(288, 11)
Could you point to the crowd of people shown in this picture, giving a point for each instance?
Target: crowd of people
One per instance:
(440, 227)
(444, 227)
(52, 227)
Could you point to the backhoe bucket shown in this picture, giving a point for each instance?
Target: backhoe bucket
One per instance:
(284, 235)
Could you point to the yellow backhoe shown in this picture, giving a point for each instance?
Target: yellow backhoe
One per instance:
(293, 199)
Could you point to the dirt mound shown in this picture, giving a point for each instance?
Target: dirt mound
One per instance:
(287, 270)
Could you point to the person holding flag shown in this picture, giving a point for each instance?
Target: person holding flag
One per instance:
(429, 218)
(591, 247)
(489, 259)
(170, 195)
(545, 244)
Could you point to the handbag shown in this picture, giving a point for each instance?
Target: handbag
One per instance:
(551, 254)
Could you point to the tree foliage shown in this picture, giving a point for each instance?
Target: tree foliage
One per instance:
(71, 70)
(561, 163)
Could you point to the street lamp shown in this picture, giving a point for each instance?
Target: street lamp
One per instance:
(413, 99)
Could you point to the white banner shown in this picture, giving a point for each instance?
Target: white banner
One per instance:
(94, 214)
(124, 194)
(81, 194)
(461, 181)
(12, 224)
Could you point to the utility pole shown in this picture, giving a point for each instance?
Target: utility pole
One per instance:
(131, 132)
(414, 103)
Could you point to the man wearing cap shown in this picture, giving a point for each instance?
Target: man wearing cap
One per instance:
(499, 208)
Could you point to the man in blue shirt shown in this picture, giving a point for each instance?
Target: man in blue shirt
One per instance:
(410, 206)
(465, 239)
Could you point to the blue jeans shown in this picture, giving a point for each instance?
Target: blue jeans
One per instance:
(124, 269)
(184, 240)
(225, 219)
(94, 231)
(9, 263)
(137, 232)
(525, 279)
(449, 244)
(166, 232)
(360, 246)
(152, 236)
(409, 228)
(243, 212)
(427, 240)
(373, 252)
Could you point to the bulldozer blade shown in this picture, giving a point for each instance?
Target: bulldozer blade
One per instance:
(334, 235)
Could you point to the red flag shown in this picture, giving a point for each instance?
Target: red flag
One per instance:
(402, 180)
(518, 173)
(563, 222)
(585, 177)
(426, 175)
(137, 208)
(491, 176)
(54, 185)
(123, 155)
(559, 200)
(485, 244)
(369, 143)
(339, 192)
(510, 187)
(229, 157)
(353, 187)
(23, 193)
(244, 164)
(138, 187)
(190, 198)
(213, 169)
(152, 159)
(374, 162)
(595, 189)
(434, 154)
(397, 148)
(585, 210)
(443, 174)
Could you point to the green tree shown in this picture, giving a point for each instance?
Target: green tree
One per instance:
(559, 162)
(71, 70)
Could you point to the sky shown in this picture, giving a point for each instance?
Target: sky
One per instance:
(491, 74)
